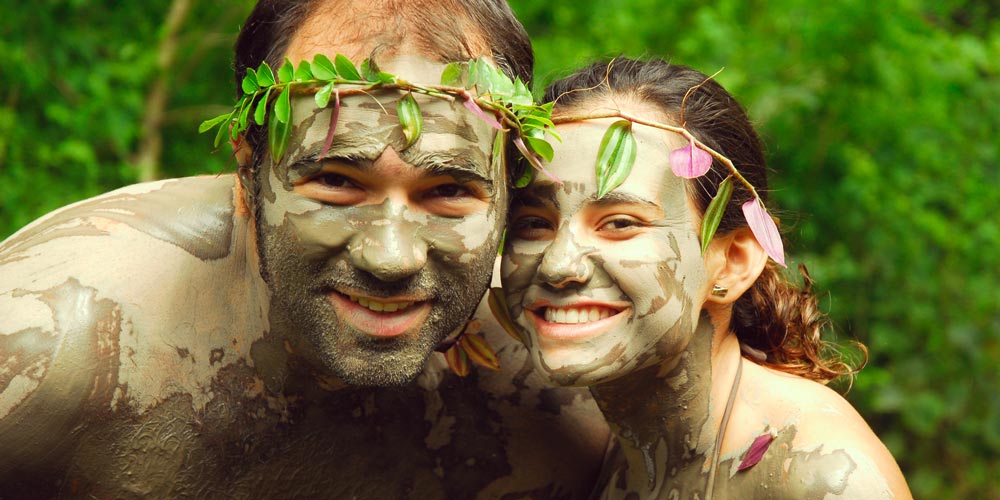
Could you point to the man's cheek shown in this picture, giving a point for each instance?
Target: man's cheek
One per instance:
(465, 240)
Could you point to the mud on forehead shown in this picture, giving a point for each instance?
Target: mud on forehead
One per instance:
(366, 127)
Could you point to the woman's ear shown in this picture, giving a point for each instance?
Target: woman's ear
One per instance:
(734, 262)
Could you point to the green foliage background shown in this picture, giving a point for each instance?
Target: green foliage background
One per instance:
(879, 117)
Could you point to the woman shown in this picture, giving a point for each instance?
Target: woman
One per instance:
(614, 292)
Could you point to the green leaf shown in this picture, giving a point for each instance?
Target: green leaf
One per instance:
(346, 68)
(386, 77)
(286, 72)
(370, 70)
(615, 157)
(303, 72)
(496, 158)
(283, 106)
(278, 133)
(223, 130)
(265, 78)
(244, 114)
(322, 96)
(713, 214)
(452, 74)
(258, 114)
(410, 119)
(526, 177)
(208, 124)
(322, 68)
(250, 84)
(541, 147)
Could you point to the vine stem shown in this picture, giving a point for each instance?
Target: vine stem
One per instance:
(662, 126)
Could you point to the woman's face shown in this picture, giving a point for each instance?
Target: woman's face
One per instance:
(602, 287)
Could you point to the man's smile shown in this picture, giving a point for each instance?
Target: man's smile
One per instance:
(381, 317)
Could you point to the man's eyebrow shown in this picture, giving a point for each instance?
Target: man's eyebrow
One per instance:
(460, 166)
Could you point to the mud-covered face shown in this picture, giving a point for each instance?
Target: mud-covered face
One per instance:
(374, 251)
(602, 287)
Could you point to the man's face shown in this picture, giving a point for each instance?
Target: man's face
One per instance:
(375, 251)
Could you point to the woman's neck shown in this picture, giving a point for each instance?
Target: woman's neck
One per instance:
(667, 416)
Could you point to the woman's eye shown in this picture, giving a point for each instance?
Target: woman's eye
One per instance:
(620, 223)
(531, 227)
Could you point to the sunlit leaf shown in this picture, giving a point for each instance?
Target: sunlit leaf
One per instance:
(370, 70)
(410, 119)
(764, 229)
(471, 105)
(249, 84)
(278, 133)
(303, 72)
(322, 68)
(457, 360)
(541, 147)
(346, 68)
(286, 72)
(322, 96)
(479, 351)
(264, 75)
(244, 114)
(496, 156)
(452, 74)
(690, 161)
(333, 124)
(756, 451)
(283, 106)
(223, 129)
(498, 306)
(615, 157)
(713, 214)
(208, 124)
(259, 113)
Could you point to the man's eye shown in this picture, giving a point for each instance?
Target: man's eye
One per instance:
(333, 180)
(448, 191)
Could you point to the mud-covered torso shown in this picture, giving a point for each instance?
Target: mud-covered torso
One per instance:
(131, 365)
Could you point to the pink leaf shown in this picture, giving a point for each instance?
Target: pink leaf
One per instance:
(533, 159)
(756, 451)
(472, 106)
(765, 230)
(690, 161)
(333, 124)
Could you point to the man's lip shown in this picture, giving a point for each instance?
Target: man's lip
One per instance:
(398, 315)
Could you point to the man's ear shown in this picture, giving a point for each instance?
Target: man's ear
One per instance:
(734, 262)
(244, 159)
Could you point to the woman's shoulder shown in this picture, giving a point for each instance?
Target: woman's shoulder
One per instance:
(813, 434)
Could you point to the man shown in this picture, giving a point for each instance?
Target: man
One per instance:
(270, 334)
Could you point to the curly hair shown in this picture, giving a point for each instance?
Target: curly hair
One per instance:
(776, 317)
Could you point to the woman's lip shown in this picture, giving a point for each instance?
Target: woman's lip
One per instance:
(383, 324)
(574, 331)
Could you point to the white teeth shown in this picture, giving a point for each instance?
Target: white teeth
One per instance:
(381, 306)
(575, 315)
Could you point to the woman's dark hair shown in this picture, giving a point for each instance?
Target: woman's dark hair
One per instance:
(445, 30)
(775, 316)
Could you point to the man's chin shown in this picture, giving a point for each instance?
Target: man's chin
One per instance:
(380, 367)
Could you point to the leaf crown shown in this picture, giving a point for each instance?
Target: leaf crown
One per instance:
(506, 105)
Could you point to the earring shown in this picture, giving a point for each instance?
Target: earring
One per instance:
(719, 291)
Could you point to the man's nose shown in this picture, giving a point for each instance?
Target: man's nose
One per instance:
(565, 261)
(391, 249)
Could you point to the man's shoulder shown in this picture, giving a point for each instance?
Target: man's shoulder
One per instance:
(194, 214)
